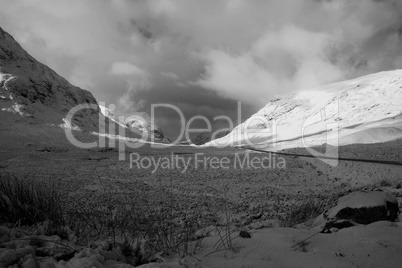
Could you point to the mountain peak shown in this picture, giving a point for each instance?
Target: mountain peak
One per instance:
(31, 91)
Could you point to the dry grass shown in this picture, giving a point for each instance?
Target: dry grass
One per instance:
(144, 228)
(145, 225)
(28, 202)
(307, 210)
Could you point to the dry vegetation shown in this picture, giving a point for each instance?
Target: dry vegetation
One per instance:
(147, 214)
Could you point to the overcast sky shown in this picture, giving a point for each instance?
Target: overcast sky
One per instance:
(203, 56)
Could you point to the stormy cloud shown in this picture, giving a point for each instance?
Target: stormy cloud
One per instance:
(204, 56)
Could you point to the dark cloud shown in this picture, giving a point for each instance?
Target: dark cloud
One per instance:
(143, 30)
(192, 101)
(204, 56)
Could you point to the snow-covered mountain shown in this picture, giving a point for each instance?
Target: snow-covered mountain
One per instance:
(146, 124)
(139, 123)
(367, 109)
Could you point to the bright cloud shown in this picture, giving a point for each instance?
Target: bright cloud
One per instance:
(235, 49)
(126, 69)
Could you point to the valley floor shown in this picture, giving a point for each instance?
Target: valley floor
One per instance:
(259, 200)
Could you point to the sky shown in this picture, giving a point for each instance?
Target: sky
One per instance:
(205, 56)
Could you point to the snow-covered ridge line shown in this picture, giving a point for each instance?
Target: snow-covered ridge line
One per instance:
(328, 114)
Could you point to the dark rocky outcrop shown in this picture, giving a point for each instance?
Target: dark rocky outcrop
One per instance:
(362, 208)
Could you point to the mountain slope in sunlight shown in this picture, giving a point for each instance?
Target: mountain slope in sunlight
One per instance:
(363, 110)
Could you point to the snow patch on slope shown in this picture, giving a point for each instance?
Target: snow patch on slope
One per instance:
(6, 95)
(67, 124)
(16, 109)
(110, 114)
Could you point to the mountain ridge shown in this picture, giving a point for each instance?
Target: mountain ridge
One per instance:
(35, 102)
(32, 91)
(352, 106)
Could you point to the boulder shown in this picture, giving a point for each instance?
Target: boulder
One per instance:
(8, 257)
(364, 208)
(29, 262)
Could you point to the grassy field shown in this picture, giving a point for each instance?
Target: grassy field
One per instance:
(103, 198)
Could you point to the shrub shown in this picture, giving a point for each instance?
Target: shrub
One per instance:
(27, 202)
(385, 183)
(143, 227)
(307, 210)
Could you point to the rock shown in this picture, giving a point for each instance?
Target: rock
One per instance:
(120, 256)
(44, 252)
(5, 238)
(244, 234)
(14, 244)
(132, 260)
(50, 263)
(13, 233)
(41, 230)
(109, 255)
(8, 257)
(29, 262)
(4, 230)
(104, 246)
(334, 226)
(86, 262)
(11, 256)
(72, 238)
(88, 252)
(3, 250)
(25, 251)
(364, 208)
(65, 255)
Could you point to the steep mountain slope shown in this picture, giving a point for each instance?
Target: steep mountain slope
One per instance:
(363, 110)
(35, 102)
(32, 92)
